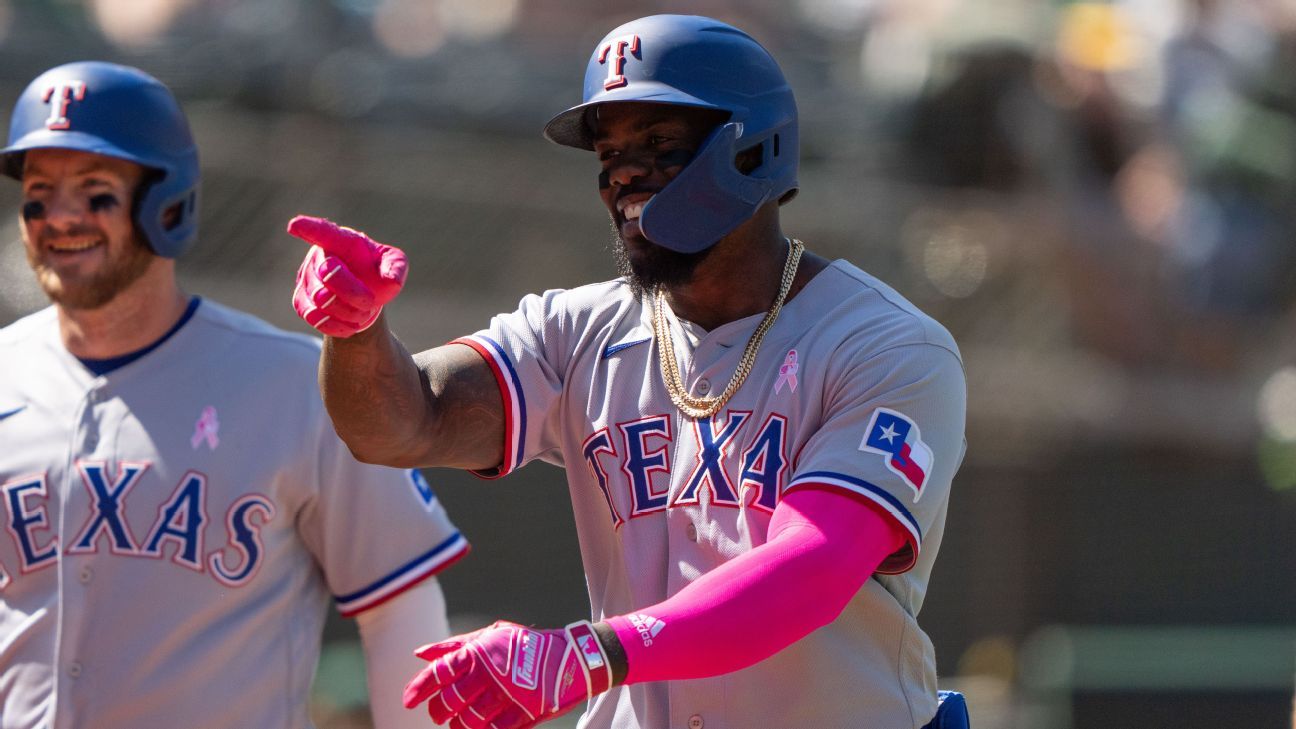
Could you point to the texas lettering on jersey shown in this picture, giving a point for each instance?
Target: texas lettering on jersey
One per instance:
(640, 449)
(178, 527)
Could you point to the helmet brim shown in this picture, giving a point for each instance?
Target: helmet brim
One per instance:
(11, 156)
(572, 127)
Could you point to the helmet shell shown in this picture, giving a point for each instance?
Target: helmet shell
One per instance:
(689, 60)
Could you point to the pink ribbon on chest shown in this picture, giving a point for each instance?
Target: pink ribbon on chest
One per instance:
(205, 429)
(787, 372)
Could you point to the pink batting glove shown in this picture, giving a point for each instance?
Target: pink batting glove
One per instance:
(346, 278)
(507, 676)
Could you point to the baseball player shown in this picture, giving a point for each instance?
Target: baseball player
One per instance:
(178, 508)
(759, 442)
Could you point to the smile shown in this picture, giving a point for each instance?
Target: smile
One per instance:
(631, 206)
(73, 246)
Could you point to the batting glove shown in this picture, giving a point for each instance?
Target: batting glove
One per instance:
(346, 278)
(507, 676)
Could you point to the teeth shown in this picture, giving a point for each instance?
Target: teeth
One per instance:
(633, 210)
(73, 247)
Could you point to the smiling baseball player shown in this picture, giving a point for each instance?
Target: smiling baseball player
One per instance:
(759, 442)
(178, 509)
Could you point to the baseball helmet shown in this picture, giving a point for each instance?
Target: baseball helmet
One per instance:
(121, 112)
(688, 60)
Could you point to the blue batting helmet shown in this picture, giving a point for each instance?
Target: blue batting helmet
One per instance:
(121, 112)
(688, 60)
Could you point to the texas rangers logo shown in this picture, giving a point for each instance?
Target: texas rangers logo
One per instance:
(617, 48)
(58, 97)
(895, 436)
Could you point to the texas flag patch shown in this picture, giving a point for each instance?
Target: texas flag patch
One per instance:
(896, 437)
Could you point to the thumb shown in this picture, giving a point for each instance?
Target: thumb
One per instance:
(393, 266)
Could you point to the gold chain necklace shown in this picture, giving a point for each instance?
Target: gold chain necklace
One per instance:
(705, 407)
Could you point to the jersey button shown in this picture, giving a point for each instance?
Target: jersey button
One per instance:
(74, 669)
(695, 721)
(86, 575)
(703, 387)
(691, 532)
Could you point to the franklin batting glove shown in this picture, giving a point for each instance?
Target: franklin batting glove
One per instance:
(507, 676)
(346, 277)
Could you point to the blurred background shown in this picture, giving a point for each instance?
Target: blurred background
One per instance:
(1096, 198)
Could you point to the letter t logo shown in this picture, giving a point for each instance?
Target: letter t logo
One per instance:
(58, 97)
(616, 70)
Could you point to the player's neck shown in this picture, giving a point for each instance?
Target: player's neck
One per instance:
(742, 276)
(134, 319)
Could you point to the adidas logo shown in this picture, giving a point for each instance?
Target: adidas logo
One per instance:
(647, 625)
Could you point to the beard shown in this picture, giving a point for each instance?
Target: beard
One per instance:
(651, 266)
(94, 289)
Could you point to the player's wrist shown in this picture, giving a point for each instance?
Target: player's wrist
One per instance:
(592, 657)
(372, 333)
(618, 666)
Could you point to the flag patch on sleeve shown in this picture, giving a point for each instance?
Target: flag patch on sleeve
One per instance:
(897, 439)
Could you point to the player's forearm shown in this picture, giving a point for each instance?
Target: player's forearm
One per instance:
(376, 397)
(762, 601)
(386, 635)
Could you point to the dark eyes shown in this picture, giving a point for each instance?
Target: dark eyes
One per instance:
(653, 140)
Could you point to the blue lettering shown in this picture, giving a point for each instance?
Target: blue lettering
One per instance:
(764, 462)
(109, 505)
(641, 463)
(594, 445)
(245, 535)
(181, 519)
(23, 522)
(710, 469)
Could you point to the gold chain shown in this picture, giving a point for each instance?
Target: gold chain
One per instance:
(705, 407)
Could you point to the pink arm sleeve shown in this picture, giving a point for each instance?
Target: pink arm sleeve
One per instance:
(821, 548)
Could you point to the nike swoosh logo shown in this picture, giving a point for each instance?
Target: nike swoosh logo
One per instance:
(624, 345)
(15, 411)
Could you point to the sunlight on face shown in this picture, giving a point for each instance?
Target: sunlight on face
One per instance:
(77, 227)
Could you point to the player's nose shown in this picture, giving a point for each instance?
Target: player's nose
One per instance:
(63, 210)
(626, 170)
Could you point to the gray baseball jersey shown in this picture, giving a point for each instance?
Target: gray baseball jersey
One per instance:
(175, 529)
(854, 390)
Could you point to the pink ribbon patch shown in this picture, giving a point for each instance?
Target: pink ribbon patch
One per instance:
(787, 372)
(205, 429)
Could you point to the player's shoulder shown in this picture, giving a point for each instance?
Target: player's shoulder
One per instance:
(253, 336)
(29, 328)
(583, 306)
(875, 311)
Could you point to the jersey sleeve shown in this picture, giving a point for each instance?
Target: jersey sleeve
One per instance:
(524, 349)
(893, 435)
(375, 531)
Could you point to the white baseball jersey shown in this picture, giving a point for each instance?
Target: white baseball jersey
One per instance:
(854, 389)
(175, 529)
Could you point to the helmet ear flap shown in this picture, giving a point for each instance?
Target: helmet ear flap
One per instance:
(707, 199)
(167, 213)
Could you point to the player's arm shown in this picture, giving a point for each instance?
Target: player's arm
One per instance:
(385, 632)
(441, 407)
(822, 546)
